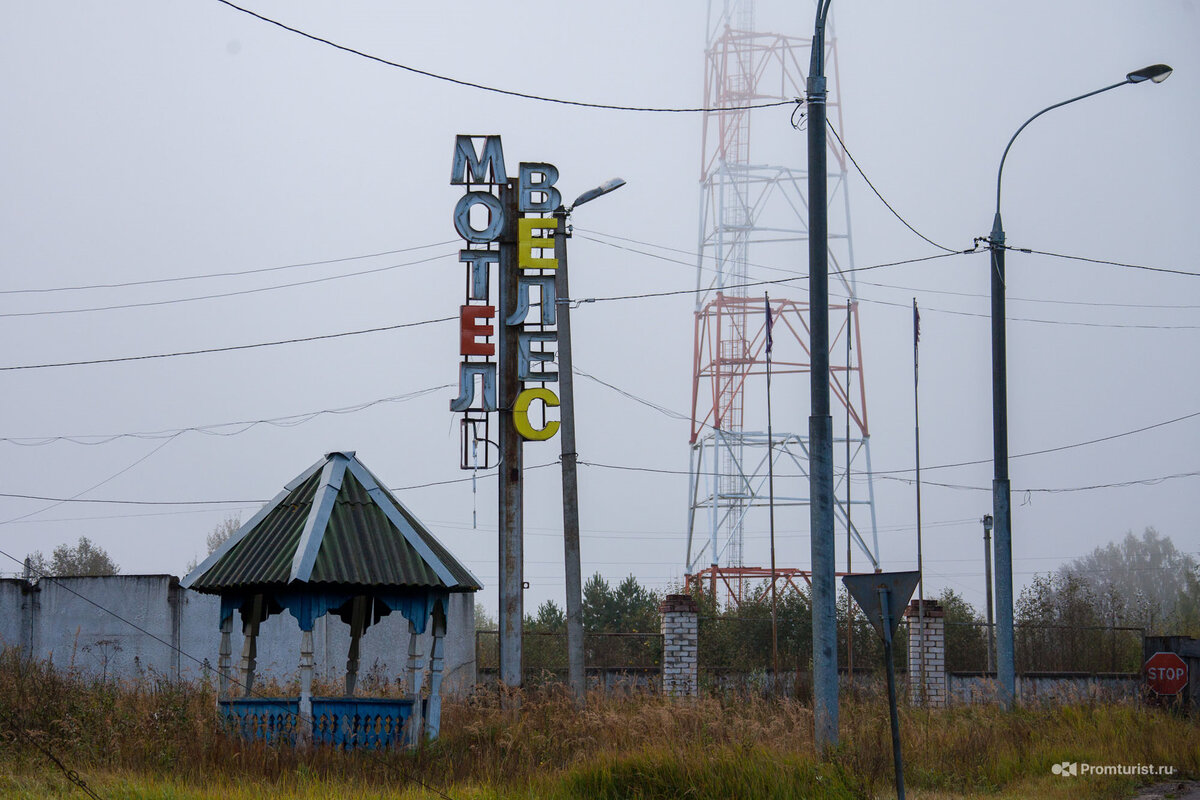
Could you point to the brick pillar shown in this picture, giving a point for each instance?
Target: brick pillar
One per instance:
(935, 694)
(680, 631)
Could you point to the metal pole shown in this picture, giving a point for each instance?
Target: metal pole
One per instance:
(820, 423)
(771, 505)
(922, 641)
(570, 473)
(512, 605)
(1001, 489)
(897, 758)
(987, 572)
(849, 506)
(1005, 663)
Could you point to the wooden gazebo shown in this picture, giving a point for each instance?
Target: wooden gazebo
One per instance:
(334, 541)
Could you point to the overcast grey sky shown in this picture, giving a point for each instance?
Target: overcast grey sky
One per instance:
(148, 140)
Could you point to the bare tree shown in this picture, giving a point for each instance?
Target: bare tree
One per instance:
(217, 537)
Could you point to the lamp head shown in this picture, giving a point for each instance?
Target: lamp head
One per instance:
(987, 522)
(1155, 72)
(592, 194)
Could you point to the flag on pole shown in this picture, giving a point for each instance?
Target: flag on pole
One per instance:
(916, 337)
(770, 322)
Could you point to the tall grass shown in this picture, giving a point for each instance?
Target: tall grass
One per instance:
(164, 739)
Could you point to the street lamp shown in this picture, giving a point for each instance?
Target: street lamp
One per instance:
(1006, 672)
(570, 470)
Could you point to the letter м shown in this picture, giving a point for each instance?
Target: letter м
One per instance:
(467, 161)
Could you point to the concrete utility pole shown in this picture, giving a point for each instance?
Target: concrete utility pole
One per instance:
(570, 457)
(820, 422)
(512, 561)
(570, 471)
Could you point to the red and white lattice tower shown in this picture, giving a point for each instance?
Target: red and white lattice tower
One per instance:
(754, 227)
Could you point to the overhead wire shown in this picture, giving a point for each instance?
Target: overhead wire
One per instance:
(1103, 261)
(227, 349)
(71, 775)
(496, 90)
(491, 473)
(779, 281)
(230, 274)
(218, 295)
(242, 426)
(75, 497)
(875, 301)
(207, 667)
(579, 233)
(883, 200)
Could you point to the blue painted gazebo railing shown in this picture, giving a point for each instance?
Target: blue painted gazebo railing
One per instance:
(262, 719)
(345, 722)
(367, 722)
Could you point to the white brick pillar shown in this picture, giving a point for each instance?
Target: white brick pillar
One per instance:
(933, 669)
(680, 631)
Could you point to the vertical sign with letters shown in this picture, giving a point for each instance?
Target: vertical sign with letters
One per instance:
(478, 165)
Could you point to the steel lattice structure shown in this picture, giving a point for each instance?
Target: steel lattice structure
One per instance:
(755, 205)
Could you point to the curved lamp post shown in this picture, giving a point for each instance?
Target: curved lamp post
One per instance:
(570, 478)
(1006, 672)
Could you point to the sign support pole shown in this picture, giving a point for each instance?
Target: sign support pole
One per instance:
(897, 758)
(882, 596)
(511, 479)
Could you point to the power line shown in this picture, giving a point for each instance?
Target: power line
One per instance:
(879, 473)
(230, 348)
(1064, 322)
(895, 213)
(1049, 449)
(660, 409)
(1102, 261)
(1010, 299)
(71, 774)
(873, 301)
(1054, 490)
(752, 284)
(75, 497)
(206, 666)
(493, 89)
(237, 293)
(1039, 490)
(288, 421)
(491, 473)
(235, 273)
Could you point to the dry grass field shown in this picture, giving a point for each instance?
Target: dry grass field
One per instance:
(164, 742)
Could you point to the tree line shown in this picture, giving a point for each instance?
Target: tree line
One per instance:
(1088, 616)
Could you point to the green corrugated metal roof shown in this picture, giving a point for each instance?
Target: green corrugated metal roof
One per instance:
(323, 532)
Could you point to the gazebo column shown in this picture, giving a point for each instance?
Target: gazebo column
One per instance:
(304, 729)
(358, 620)
(416, 674)
(224, 657)
(249, 645)
(433, 722)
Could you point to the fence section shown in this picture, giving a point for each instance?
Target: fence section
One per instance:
(638, 656)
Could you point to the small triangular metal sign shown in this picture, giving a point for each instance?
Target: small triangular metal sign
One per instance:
(865, 590)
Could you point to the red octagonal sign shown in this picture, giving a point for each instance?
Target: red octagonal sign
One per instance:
(1166, 673)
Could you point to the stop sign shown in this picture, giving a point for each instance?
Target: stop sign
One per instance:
(1166, 673)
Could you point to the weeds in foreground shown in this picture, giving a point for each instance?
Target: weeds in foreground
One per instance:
(168, 736)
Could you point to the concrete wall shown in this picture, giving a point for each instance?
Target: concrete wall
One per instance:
(1039, 688)
(67, 622)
